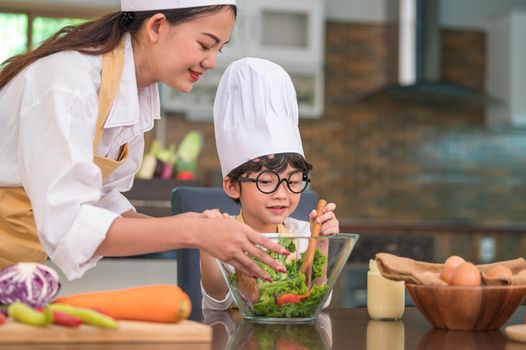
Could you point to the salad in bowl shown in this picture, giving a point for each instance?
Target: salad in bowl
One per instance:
(299, 294)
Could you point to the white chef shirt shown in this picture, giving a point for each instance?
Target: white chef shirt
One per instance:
(299, 227)
(48, 115)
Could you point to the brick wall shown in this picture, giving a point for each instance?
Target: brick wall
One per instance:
(399, 156)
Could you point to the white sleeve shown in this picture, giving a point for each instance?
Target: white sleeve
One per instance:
(61, 179)
(210, 303)
(115, 202)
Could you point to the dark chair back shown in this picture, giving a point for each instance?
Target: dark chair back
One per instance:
(198, 199)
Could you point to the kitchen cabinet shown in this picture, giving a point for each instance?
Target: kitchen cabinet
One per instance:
(290, 33)
(199, 104)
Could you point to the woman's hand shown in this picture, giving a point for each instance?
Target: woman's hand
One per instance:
(329, 224)
(189, 214)
(235, 243)
(215, 214)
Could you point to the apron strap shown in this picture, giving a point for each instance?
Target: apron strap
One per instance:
(112, 65)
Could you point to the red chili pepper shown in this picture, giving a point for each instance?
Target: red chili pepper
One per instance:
(2, 318)
(64, 319)
(292, 298)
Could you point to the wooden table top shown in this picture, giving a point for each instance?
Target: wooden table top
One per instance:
(346, 328)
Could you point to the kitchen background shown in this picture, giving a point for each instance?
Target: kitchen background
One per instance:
(425, 171)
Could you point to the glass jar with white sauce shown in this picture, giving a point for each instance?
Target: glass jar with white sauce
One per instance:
(385, 297)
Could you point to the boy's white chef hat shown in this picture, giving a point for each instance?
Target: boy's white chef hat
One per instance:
(255, 113)
(150, 5)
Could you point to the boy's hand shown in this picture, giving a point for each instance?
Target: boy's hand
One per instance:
(329, 224)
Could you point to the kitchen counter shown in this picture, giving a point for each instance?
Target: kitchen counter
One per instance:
(337, 328)
(351, 328)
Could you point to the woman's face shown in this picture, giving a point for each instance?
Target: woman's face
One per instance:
(185, 51)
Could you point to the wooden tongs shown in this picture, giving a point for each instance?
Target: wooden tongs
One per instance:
(306, 267)
(248, 288)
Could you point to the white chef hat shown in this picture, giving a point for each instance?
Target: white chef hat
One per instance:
(150, 5)
(255, 113)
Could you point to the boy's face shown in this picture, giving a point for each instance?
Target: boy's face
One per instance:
(263, 212)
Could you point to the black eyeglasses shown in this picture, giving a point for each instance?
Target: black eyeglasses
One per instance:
(269, 181)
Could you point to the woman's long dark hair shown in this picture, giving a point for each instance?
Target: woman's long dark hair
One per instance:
(99, 36)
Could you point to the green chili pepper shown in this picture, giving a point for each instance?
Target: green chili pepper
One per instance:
(26, 314)
(89, 316)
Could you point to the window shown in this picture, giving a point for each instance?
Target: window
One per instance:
(14, 29)
(44, 27)
(13, 34)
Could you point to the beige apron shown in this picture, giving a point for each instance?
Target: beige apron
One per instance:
(18, 235)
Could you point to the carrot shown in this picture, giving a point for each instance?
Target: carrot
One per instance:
(156, 303)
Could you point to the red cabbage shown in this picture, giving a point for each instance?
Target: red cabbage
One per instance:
(30, 283)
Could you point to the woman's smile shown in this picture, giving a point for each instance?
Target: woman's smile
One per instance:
(194, 75)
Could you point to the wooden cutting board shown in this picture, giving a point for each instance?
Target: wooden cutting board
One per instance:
(186, 331)
(516, 332)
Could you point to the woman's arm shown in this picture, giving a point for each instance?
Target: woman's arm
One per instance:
(227, 240)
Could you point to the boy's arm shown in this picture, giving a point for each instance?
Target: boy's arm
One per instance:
(211, 278)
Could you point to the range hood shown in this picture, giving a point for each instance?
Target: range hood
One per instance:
(419, 55)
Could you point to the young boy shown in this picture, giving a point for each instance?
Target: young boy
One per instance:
(262, 160)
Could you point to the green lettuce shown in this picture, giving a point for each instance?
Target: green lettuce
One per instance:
(291, 282)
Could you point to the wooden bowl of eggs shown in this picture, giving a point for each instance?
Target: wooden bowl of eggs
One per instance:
(469, 297)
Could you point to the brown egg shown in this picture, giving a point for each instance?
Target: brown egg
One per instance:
(499, 271)
(450, 265)
(466, 275)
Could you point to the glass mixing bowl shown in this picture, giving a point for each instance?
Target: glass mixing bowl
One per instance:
(290, 297)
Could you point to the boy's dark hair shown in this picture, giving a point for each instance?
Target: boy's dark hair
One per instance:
(277, 162)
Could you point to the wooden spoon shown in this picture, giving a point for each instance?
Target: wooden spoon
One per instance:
(306, 267)
(248, 288)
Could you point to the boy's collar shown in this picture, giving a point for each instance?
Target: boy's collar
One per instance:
(282, 229)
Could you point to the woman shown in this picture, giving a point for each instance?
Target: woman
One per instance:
(73, 115)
